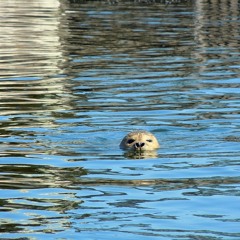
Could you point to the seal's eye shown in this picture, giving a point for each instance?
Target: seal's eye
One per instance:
(129, 141)
(149, 140)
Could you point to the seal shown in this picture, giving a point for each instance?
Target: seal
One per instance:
(139, 141)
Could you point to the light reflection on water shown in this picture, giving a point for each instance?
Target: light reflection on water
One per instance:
(76, 77)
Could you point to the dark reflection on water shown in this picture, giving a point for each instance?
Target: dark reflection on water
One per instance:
(76, 76)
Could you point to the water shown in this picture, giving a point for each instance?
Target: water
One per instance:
(76, 77)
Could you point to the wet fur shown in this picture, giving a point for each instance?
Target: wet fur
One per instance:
(139, 141)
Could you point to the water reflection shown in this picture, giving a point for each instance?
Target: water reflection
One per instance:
(75, 75)
(66, 198)
(17, 176)
(30, 43)
(141, 154)
(113, 43)
(216, 35)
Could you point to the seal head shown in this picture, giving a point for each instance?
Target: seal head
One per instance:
(139, 141)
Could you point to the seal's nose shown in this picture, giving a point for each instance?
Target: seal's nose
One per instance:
(139, 145)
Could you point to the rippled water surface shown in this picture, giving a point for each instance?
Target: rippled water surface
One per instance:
(76, 76)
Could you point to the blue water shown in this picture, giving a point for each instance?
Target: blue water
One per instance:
(76, 76)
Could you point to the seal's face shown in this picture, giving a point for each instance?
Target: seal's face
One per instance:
(139, 141)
